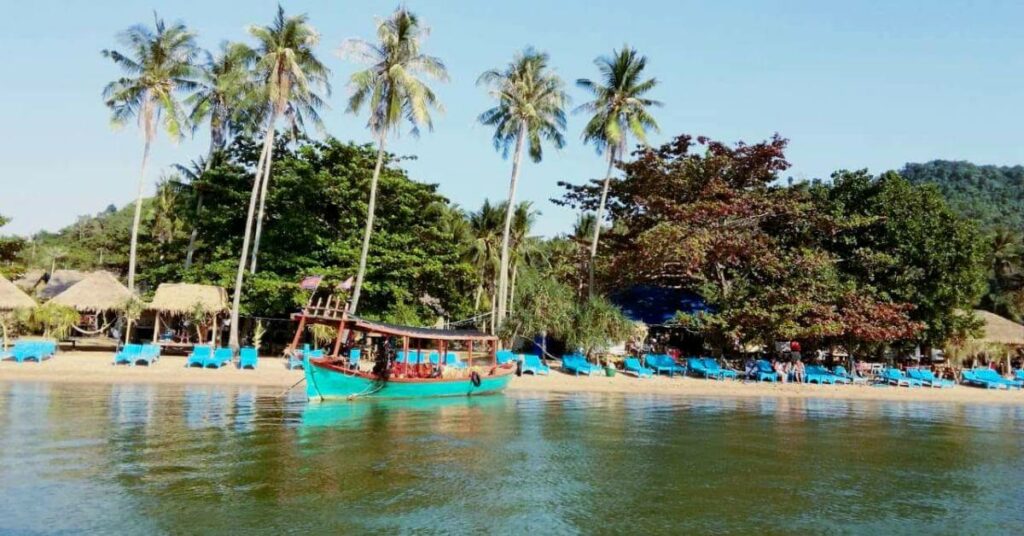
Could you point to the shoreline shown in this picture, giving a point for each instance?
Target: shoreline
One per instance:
(80, 367)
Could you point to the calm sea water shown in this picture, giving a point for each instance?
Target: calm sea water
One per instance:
(203, 460)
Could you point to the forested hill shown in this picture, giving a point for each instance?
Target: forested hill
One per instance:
(991, 195)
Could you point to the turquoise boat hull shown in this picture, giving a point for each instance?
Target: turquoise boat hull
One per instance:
(328, 382)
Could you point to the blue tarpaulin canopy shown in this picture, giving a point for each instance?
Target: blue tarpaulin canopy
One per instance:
(655, 305)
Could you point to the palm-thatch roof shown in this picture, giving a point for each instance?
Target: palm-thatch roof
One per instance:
(12, 297)
(999, 330)
(99, 291)
(30, 280)
(60, 280)
(181, 298)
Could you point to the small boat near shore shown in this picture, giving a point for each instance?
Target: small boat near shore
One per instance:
(426, 365)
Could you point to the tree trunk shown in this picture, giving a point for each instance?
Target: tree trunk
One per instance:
(354, 303)
(503, 266)
(479, 295)
(494, 304)
(259, 218)
(236, 299)
(512, 287)
(137, 220)
(215, 141)
(597, 222)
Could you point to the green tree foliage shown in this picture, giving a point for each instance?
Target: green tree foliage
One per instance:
(313, 220)
(597, 324)
(993, 196)
(10, 251)
(706, 216)
(910, 247)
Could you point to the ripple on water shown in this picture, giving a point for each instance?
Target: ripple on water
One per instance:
(142, 458)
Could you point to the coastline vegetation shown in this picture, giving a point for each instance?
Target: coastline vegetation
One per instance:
(856, 260)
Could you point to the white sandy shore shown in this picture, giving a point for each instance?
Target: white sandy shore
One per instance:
(95, 367)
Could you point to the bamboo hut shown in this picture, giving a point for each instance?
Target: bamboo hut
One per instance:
(179, 302)
(1000, 339)
(97, 298)
(12, 297)
(59, 281)
(999, 330)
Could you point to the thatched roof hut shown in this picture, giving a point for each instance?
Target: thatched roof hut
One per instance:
(60, 280)
(98, 292)
(12, 297)
(30, 280)
(181, 298)
(999, 330)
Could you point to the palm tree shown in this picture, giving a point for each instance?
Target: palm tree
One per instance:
(288, 73)
(224, 97)
(525, 248)
(531, 109)
(394, 91)
(483, 253)
(165, 210)
(619, 109)
(158, 68)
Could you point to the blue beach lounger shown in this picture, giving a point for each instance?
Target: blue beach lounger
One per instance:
(633, 365)
(712, 365)
(664, 364)
(504, 356)
(221, 357)
(577, 364)
(128, 354)
(697, 367)
(248, 358)
(928, 378)
(989, 375)
(819, 375)
(896, 377)
(533, 365)
(764, 372)
(200, 353)
(840, 371)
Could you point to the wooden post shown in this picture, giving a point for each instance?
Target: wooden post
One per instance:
(156, 327)
(298, 334)
(337, 341)
(469, 355)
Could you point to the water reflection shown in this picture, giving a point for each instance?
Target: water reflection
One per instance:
(131, 458)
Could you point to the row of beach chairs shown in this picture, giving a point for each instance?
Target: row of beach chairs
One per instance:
(205, 356)
(137, 354)
(30, 350)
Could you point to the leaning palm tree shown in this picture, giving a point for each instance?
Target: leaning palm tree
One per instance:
(394, 91)
(288, 76)
(158, 68)
(619, 108)
(531, 109)
(224, 98)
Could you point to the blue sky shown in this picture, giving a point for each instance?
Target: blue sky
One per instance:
(852, 85)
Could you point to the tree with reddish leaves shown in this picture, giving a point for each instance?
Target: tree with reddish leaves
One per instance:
(706, 216)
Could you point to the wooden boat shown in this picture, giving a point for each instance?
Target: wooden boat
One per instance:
(334, 377)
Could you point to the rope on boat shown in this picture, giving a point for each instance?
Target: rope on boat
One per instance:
(366, 392)
(302, 379)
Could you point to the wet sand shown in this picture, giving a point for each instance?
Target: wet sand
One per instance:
(95, 367)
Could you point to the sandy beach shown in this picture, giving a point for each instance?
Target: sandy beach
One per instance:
(95, 367)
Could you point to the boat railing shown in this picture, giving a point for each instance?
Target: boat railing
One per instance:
(325, 309)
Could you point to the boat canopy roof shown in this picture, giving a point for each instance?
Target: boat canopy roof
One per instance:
(372, 326)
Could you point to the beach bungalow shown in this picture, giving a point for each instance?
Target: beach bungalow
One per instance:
(187, 314)
(97, 298)
(58, 282)
(1001, 339)
(11, 299)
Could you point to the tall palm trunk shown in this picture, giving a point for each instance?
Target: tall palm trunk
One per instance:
(369, 225)
(137, 220)
(236, 299)
(597, 222)
(259, 217)
(512, 287)
(215, 142)
(503, 266)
